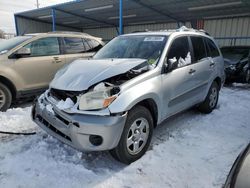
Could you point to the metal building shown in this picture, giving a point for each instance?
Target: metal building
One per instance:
(227, 20)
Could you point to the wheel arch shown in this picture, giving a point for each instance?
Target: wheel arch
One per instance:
(218, 81)
(151, 105)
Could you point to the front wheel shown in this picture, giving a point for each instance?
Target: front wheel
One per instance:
(5, 97)
(211, 100)
(136, 136)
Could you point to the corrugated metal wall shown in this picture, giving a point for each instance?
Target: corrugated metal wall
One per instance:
(233, 27)
(109, 33)
(220, 28)
(31, 26)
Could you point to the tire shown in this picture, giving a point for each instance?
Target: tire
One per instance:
(211, 100)
(137, 132)
(5, 97)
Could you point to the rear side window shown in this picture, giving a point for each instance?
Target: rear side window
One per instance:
(179, 52)
(198, 48)
(73, 45)
(212, 48)
(93, 44)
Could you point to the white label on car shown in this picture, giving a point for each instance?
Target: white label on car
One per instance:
(147, 39)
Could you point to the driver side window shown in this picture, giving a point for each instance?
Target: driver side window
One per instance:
(44, 47)
(179, 52)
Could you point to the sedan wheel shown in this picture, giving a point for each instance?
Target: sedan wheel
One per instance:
(5, 97)
(2, 98)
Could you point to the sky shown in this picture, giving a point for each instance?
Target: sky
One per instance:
(9, 7)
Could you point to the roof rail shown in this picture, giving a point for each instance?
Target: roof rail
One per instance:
(184, 28)
(68, 32)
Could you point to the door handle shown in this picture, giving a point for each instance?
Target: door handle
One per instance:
(56, 60)
(191, 71)
(212, 64)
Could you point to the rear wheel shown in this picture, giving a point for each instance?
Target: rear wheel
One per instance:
(5, 97)
(136, 136)
(211, 100)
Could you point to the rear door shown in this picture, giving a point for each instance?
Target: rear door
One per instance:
(73, 48)
(202, 66)
(39, 68)
(76, 47)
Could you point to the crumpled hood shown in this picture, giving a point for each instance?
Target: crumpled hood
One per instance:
(81, 74)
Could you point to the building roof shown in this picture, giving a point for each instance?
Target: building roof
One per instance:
(87, 14)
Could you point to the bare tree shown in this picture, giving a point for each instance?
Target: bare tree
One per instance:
(1, 34)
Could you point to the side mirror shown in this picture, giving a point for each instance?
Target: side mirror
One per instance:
(170, 64)
(23, 51)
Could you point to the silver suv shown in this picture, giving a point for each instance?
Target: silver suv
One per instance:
(114, 101)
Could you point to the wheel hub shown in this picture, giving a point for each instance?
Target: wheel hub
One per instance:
(137, 136)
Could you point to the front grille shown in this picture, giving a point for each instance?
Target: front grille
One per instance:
(52, 128)
(63, 95)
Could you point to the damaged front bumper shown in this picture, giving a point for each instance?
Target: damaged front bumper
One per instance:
(84, 132)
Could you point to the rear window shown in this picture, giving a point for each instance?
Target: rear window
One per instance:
(199, 48)
(212, 48)
(93, 45)
(73, 45)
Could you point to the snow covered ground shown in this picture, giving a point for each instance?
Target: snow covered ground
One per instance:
(188, 150)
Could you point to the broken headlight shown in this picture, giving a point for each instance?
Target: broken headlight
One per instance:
(98, 99)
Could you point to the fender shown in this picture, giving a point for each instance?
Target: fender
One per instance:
(12, 76)
(149, 89)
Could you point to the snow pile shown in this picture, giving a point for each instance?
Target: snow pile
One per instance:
(188, 150)
(16, 120)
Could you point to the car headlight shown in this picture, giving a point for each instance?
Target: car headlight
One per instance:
(98, 99)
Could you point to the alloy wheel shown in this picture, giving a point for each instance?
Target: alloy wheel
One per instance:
(137, 136)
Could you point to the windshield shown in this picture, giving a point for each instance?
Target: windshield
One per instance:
(13, 42)
(145, 47)
(235, 54)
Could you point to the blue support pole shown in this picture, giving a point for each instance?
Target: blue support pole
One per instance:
(16, 26)
(53, 19)
(121, 18)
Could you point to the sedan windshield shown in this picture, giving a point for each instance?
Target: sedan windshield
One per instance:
(144, 47)
(11, 43)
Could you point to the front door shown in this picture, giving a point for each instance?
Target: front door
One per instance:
(39, 68)
(177, 84)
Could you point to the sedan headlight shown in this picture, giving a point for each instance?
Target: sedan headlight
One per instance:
(98, 99)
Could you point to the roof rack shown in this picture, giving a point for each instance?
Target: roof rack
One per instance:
(68, 32)
(184, 28)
